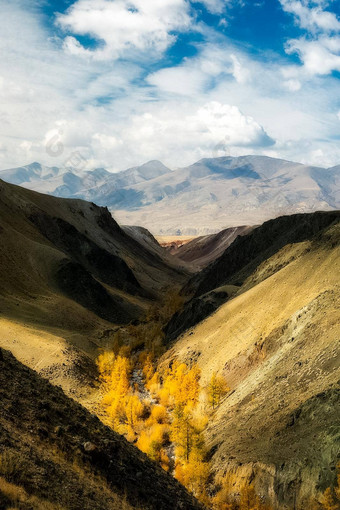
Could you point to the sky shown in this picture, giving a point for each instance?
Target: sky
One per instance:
(116, 83)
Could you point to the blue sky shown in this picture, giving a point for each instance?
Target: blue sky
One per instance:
(121, 82)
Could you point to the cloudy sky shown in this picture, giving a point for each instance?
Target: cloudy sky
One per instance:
(119, 82)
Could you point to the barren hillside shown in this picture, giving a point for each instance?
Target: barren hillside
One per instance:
(69, 277)
(277, 344)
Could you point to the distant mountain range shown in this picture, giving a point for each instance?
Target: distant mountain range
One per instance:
(203, 198)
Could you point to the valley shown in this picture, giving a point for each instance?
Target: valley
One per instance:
(217, 357)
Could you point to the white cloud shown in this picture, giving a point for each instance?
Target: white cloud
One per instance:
(223, 122)
(175, 133)
(124, 27)
(292, 85)
(215, 6)
(319, 52)
(312, 17)
(183, 80)
(319, 56)
(240, 72)
(107, 111)
(196, 75)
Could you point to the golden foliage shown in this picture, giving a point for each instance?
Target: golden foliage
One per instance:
(172, 420)
(331, 497)
(217, 389)
(182, 385)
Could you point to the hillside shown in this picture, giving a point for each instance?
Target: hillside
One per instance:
(275, 339)
(227, 275)
(56, 455)
(69, 277)
(203, 250)
(242, 257)
(201, 199)
(160, 248)
(264, 314)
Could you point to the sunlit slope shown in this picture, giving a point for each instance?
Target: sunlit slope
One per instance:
(69, 276)
(277, 344)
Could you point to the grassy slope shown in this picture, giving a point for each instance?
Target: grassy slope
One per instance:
(55, 455)
(277, 344)
(56, 330)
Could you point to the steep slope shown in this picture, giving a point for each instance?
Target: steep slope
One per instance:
(246, 253)
(276, 342)
(54, 454)
(203, 250)
(69, 276)
(145, 238)
(227, 275)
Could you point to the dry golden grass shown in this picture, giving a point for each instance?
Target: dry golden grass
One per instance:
(277, 345)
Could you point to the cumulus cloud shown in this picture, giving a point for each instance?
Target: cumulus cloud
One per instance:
(190, 136)
(312, 17)
(319, 56)
(115, 115)
(218, 122)
(124, 27)
(319, 52)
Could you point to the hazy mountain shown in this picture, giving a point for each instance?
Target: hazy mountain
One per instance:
(203, 198)
(71, 182)
(227, 192)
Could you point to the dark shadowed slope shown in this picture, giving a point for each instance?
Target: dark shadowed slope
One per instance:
(69, 275)
(54, 454)
(247, 252)
(226, 277)
(203, 250)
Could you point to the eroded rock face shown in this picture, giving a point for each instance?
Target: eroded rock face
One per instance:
(297, 480)
(102, 264)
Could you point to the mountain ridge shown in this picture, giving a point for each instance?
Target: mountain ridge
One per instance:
(203, 198)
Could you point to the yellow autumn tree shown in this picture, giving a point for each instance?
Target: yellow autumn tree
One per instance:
(105, 364)
(216, 390)
(152, 439)
(182, 384)
(194, 476)
(117, 388)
